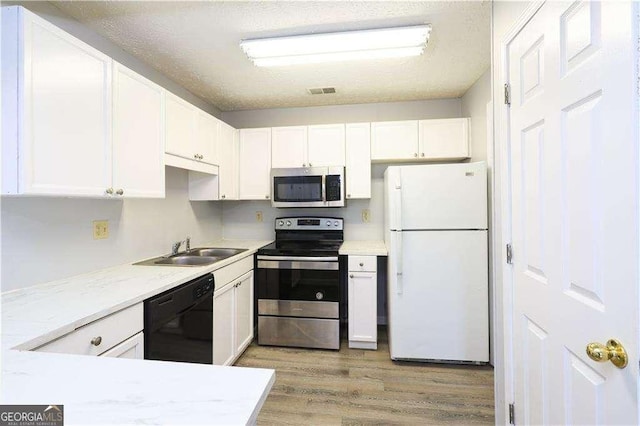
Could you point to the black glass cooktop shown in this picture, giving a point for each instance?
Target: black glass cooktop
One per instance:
(302, 248)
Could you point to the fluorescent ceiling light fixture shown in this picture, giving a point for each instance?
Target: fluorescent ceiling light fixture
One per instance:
(333, 47)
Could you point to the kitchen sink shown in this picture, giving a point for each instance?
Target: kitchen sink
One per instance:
(214, 252)
(195, 257)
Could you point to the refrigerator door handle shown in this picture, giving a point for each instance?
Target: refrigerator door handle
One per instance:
(399, 262)
(398, 201)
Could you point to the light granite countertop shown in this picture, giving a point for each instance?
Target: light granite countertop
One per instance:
(363, 248)
(98, 390)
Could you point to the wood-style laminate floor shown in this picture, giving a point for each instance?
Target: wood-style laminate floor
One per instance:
(353, 386)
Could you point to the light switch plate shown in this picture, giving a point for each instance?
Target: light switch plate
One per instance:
(100, 229)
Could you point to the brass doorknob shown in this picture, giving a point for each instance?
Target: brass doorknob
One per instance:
(613, 351)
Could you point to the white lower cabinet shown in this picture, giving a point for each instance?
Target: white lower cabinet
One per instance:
(101, 336)
(132, 348)
(363, 302)
(232, 312)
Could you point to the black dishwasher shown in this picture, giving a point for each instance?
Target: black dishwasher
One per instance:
(178, 323)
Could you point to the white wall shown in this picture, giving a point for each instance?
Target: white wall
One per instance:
(49, 238)
(474, 105)
(503, 18)
(384, 111)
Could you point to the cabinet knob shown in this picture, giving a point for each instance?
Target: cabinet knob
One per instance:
(223, 196)
(304, 165)
(351, 276)
(120, 191)
(422, 155)
(109, 191)
(415, 154)
(348, 195)
(96, 341)
(201, 156)
(310, 165)
(195, 156)
(361, 264)
(266, 196)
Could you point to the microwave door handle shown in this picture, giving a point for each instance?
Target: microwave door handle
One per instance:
(324, 188)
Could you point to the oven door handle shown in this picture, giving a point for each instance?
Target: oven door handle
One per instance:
(324, 188)
(287, 264)
(301, 258)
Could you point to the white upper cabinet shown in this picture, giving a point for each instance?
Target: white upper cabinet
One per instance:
(358, 160)
(444, 139)
(289, 147)
(191, 136)
(394, 140)
(255, 164)
(326, 145)
(206, 140)
(56, 102)
(181, 124)
(228, 174)
(138, 135)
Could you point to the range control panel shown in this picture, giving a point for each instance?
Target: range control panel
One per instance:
(309, 223)
(203, 288)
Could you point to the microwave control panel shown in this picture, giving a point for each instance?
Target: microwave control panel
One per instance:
(333, 187)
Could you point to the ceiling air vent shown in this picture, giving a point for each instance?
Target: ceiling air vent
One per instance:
(322, 91)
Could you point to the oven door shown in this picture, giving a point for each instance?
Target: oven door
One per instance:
(298, 278)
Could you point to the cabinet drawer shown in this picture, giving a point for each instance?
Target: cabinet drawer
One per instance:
(224, 276)
(111, 330)
(362, 263)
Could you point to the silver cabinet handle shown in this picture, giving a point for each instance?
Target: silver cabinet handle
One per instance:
(109, 191)
(96, 341)
(351, 276)
(361, 264)
(120, 191)
(415, 154)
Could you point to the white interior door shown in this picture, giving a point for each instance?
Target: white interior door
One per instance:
(574, 203)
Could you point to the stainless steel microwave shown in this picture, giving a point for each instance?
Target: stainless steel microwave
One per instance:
(307, 187)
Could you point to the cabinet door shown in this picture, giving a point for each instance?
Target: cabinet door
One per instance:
(180, 125)
(358, 156)
(132, 348)
(363, 306)
(394, 140)
(223, 326)
(138, 135)
(244, 312)
(228, 177)
(206, 141)
(289, 147)
(326, 145)
(444, 139)
(254, 162)
(66, 111)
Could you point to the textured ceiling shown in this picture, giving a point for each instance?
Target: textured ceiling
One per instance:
(196, 45)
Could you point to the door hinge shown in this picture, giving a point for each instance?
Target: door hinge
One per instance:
(509, 254)
(512, 414)
(507, 94)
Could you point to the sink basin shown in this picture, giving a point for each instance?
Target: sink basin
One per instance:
(185, 260)
(215, 252)
(196, 257)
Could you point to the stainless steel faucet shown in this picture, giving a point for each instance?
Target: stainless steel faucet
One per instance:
(175, 247)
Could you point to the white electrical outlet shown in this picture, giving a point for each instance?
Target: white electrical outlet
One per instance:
(366, 215)
(100, 229)
(258, 216)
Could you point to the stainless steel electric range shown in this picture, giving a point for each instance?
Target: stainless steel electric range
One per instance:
(299, 284)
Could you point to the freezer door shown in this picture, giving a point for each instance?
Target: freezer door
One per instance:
(444, 196)
(439, 302)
